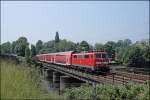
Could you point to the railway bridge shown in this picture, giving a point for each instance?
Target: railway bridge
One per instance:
(63, 76)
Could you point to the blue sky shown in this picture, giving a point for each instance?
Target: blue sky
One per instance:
(93, 21)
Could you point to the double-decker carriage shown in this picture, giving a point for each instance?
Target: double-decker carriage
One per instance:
(63, 58)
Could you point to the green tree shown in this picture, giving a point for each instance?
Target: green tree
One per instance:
(146, 55)
(84, 46)
(134, 57)
(39, 46)
(13, 47)
(27, 54)
(109, 47)
(99, 46)
(21, 44)
(33, 50)
(6, 48)
(57, 37)
(127, 42)
(77, 47)
(120, 43)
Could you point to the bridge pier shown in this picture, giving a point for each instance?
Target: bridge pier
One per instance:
(64, 83)
(56, 79)
(50, 74)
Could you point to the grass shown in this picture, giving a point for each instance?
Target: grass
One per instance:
(19, 82)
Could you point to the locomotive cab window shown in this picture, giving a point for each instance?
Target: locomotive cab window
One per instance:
(100, 55)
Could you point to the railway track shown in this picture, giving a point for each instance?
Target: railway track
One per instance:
(133, 75)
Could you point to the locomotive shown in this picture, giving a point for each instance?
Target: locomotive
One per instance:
(96, 61)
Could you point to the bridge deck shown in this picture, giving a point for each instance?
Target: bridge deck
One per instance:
(89, 78)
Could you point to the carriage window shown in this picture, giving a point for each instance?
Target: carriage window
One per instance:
(86, 56)
(80, 56)
(98, 55)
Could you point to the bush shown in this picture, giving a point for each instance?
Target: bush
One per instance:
(109, 92)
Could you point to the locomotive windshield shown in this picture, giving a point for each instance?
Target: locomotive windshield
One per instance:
(100, 55)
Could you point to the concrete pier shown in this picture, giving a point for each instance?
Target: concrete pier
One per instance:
(64, 82)
(50, 74)
(56, 79)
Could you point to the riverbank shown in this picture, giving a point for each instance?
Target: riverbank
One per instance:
(19, 82)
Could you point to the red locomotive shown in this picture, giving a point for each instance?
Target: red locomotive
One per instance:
(94, 61)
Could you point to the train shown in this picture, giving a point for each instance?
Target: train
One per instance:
(96, 61)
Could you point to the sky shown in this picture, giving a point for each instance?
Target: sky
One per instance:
(92, 21)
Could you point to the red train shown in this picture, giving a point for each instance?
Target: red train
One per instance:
(94, 61)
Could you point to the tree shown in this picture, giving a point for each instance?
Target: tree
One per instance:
(109, 47)
(127, 42)
(27, 54)
(39, 46)
(120, 43)
(133, 57)
(146, 55)
(77, 47)
(84, 46)
(33, 50)
(6, 47)
(57, 37)
(13, 47)
(99, 46)
(21, 45)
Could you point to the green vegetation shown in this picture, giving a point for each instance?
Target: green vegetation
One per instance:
(39, 46)
(33, 50)
(27, 54)
(20, 45)
(109, 92)
(19, 82)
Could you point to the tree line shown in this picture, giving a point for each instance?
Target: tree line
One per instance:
(122, 52)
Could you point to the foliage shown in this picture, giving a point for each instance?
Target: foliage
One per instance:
(13, 47)
(33, 50)
(109, 92)
(20, 46)
(39, 46)
(65, 45)
(99, 46)
(127, 42)
(136, 56)
(19, 82)
(84, 46)
(109, 47)
(27, 54)
(146, 55)
(57, 37)
(6, 47)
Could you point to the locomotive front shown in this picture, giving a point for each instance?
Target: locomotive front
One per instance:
(101, 61)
